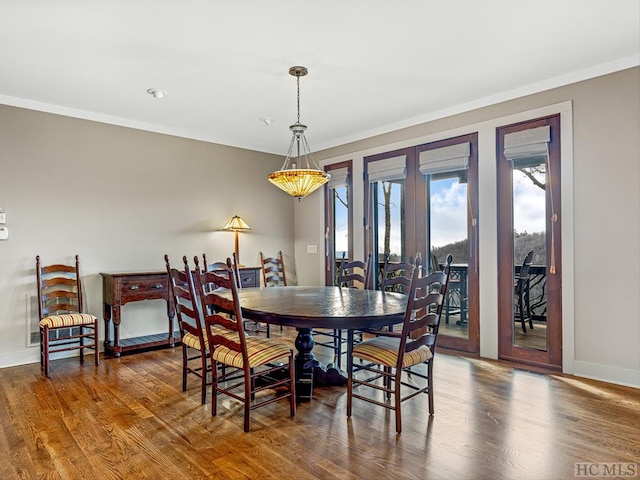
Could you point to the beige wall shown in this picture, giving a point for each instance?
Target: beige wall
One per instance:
(128, 198)
(601, 213)
(122, 198)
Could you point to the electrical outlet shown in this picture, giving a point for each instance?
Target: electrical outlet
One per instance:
(3, 218)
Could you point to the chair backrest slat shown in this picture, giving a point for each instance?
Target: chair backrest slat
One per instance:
(273, 272)
(424, 308)
(222, 316)
(59, 288)
(396, 277)
(186, 303)
(355, 273)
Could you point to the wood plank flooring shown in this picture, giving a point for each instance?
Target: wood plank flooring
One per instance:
(129, 419)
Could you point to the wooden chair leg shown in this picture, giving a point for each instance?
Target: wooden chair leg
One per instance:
(292, 386)
(339, 348)
(80, 340)
(44, 339)
(248, 396)
(349, 372)
(214, 387)
(95, 342)
(203, 383)
(430, 386)
(184, 367)
(398, 401)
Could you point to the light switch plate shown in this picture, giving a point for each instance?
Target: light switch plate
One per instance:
(3, 217)
(312, 249)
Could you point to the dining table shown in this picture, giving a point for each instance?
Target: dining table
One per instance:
(327, 307)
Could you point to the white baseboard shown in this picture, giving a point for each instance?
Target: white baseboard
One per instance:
(21, 357)
(607, 373)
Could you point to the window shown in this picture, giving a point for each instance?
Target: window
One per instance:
(338, 218)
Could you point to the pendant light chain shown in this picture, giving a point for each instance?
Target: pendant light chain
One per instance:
(298, 83)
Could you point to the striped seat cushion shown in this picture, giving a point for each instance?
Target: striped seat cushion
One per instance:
(384, 351)
(67, 320)
(259, 350)
(191, 340)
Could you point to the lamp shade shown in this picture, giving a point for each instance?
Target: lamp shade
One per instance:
(299, 182)
(236, 224)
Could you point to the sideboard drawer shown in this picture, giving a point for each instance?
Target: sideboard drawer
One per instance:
(249, 278)
(134, 289)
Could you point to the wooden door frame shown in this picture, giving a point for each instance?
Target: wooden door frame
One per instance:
(472, 342)
(329, 244)
(552, 357)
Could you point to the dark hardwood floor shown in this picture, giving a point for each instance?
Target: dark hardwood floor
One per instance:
(129, 419)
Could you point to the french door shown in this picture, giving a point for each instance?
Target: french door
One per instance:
(423, 200)
(529, 220)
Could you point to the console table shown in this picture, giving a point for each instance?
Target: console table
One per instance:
(121, 288)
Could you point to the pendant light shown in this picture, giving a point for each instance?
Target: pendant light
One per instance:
(300, 174)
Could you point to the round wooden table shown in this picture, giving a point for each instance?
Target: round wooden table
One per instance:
(306, 308)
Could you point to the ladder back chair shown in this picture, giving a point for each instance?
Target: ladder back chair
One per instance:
(390, 354)
(353, 274)
(63, 324)
(273, 273)
(266, 364)
(396, 276)
(195, 346)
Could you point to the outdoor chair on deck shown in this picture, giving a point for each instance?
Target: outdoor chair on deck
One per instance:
(267, 365)
(387, 356)
(63, 325)
(354, 274)
(521, 290)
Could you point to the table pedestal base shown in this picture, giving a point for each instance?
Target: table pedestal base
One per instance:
(305, 363)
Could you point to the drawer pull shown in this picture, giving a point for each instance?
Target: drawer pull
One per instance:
(159, 286)
(134, 287)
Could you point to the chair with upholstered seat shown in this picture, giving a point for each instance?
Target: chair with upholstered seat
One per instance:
(195, 352)
(267, 365)
(387, 356)
(353, 274)
(521, 290)
(63, 324)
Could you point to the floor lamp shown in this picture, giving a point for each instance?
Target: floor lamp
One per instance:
(236, 224)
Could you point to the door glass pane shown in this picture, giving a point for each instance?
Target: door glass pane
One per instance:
(529, 230)
(340, 226)
(447, 234)
(389, 236)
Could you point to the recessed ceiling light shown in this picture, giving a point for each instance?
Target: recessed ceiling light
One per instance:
(156, 93)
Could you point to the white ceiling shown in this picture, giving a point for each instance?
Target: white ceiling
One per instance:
(374, 65)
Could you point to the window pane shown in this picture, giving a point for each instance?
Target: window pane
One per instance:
(390, 217)
(529, 233)
(341, 222)
(447, 234)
